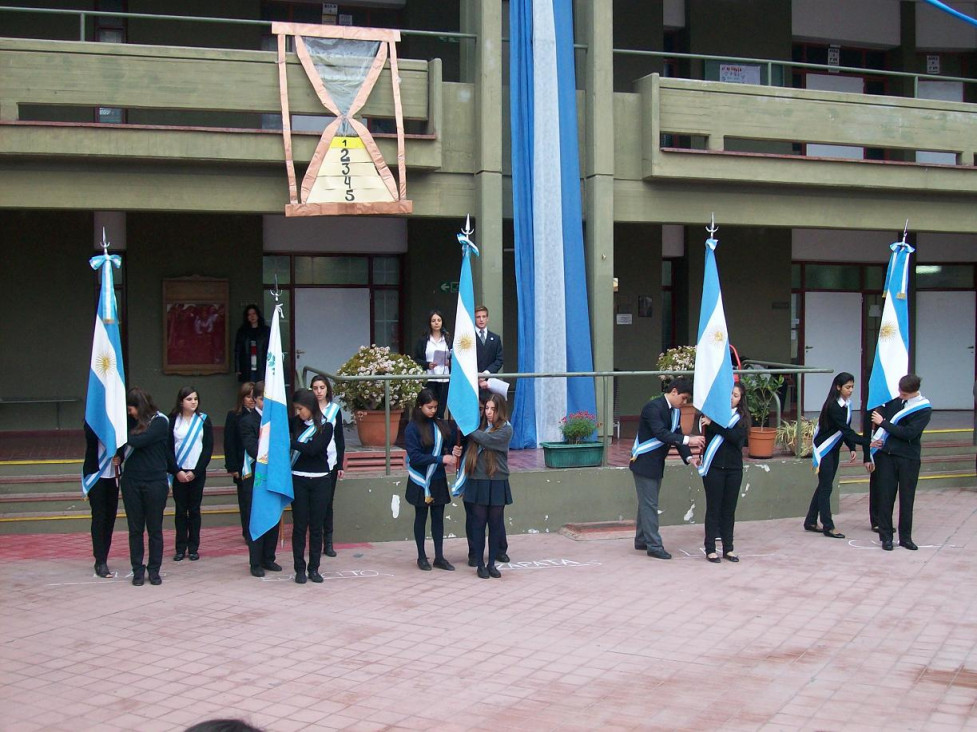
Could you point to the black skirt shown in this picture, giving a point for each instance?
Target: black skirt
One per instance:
(439, 492)
(488, 492)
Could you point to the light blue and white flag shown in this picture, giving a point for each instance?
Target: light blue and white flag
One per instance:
(463, 385)
(892, 353)
(551, 276)
(712, 386)
(105, 405)
(273, 467)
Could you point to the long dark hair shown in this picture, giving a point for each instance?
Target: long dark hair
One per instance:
(742, 409)
(444, 330)
(501, 416)
(246, 390)
(305, 398)
(184, 392)
(261, 318)
(145, 407)
(417, 417)
(833, 394)
(324, 380)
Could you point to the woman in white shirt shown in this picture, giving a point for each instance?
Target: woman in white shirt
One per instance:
(433, 352)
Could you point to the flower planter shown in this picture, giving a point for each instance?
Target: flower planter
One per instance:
(761, 441)
(370, 427)
(579, 455)
(687, 418)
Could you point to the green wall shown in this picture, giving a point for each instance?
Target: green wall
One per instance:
(433, 257)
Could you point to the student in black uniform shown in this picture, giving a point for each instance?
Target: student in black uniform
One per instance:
(429, 452)
(148, 460)
(311, 435)
(103, 497)
(722, 474)
(234, 450)
(336, 452)
(261, 551)
(834, 427)
(897, 460)
(192, 443)
(487, 485)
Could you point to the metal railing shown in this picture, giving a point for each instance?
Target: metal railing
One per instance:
(607, 382)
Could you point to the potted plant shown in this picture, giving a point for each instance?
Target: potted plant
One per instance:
(578, 449)
(761, 390)
(787, 436)
(679, 358)
(365, 399)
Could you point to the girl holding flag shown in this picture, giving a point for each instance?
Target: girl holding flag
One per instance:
(336, 451)
(834, 427)
(430, 446)
(722, 474)
(311, 435)
(192, 443)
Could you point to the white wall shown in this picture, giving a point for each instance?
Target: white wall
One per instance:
(937, 30)
(872, 23)
(323, 234)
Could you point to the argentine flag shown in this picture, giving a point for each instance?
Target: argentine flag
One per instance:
(273, 467)
(892, 353)
(105, 405)
(463, 386)
(713, 381)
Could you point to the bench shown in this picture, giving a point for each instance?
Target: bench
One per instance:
(56, 401)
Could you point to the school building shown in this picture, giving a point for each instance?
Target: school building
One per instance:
(812, 130)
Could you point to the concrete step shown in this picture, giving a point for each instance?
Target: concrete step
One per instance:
(929, 464)
(71, 501)
(927, 480)
(73, 521)
(70, 481)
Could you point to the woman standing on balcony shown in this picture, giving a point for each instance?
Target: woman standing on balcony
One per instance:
(722, 474)
(433, 352)
(834, 427)
(251, 346)
(335, 453)
(487, 484)
(192, 444)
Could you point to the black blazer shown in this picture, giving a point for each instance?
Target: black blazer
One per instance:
(207, 447)
(242, 355)
(729, 456)
(837, 419)
(248, 429)
(233, 449)
(904, 438)
(488, 356)
(656, 421)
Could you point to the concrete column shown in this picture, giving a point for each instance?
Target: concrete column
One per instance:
(484, 18)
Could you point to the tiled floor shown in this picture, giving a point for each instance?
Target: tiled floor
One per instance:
(804, 633)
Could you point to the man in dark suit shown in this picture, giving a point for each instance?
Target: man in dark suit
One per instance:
(658, 429)
(488, 348)
(261, 550)
(897, 459)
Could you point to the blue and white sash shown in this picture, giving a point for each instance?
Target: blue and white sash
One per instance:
(105, 470)
(425, 480)
(329, 415)
(819, 451)
(306, 435)
(713, 447)
(189, 448)
(640, 448)
(127, 450)
(914, 405)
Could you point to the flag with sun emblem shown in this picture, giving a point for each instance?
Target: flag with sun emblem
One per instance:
(892, 353)
(105, 404)
(713, 381)
(463, 385)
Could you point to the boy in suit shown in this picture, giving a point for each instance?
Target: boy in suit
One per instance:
(658, 429)
(488, 348)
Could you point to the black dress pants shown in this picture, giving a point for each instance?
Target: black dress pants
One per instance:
(896, 475)
(261, 551)
(330, 495)
(188, 497)
(308, 514)
(722, 491)
(144, 503)
(243, 507)
(104, 501)
(821, 500)
(873, 499)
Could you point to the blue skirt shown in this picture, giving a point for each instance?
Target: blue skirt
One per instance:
(488, 492)
(439, 492)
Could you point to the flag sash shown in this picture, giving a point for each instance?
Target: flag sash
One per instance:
(714, 444)
(819, 451)
(304, 437)
(917, 405)
(425, 480)
(192, 442)
(105, 469)
(328, 416)
(641, 448)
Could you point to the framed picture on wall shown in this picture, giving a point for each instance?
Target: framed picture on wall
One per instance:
(195, 336)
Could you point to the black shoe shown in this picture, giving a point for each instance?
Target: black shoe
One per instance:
(272, 566)
(482, 572)
(155, 579)
(422, 563)
(300, 578)
(908, 544)
(493, 572)
(315, 576)
(639, 547)
(833, 534)
(194, 556)
(444, 564)
(102, 569)
(502, 558)
(659, 553)
(138, 580)
(178, 557)
(811, 527)
(714, 558)
(472, 562)
(887, 544)
(730, 557)
(329, 551)
(257, 572)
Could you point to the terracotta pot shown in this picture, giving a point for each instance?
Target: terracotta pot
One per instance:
(687, 418)
(762, 441)
(370, 427)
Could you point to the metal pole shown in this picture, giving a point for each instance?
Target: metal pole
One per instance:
(386, 425)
